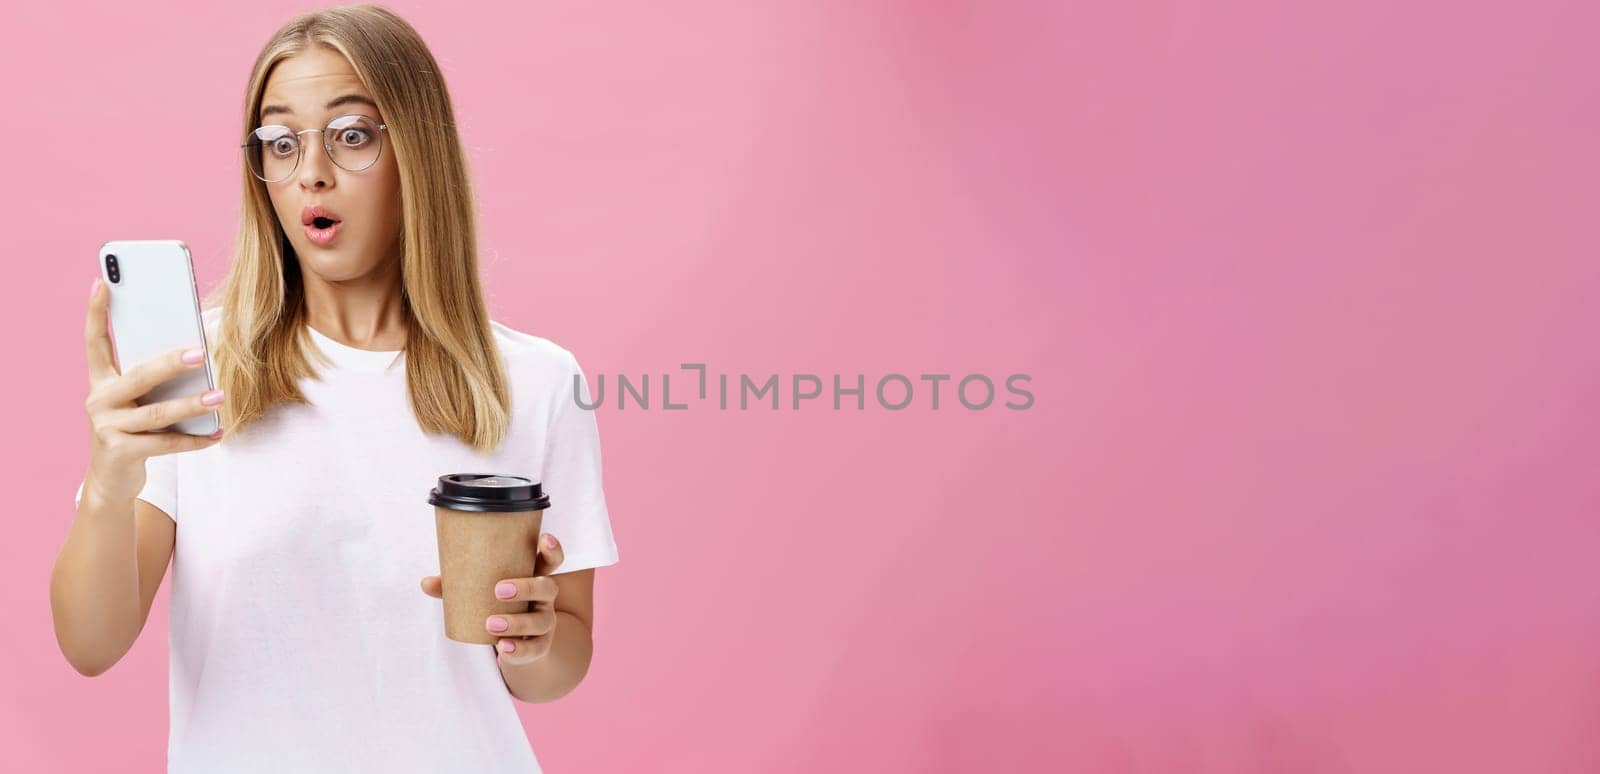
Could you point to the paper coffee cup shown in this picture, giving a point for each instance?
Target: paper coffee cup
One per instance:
(488, 531)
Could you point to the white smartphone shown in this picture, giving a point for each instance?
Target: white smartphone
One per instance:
(155, 308)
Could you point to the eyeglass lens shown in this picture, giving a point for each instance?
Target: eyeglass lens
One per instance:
(353, 142)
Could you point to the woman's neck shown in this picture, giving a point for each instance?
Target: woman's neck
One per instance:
(365, 313)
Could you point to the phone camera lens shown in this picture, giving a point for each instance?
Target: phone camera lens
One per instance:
(112, 272)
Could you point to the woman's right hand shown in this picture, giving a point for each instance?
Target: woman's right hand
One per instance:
(118, 426)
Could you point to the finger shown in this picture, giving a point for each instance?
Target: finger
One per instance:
(540, 589)
(433, 586)
(154, 416)
(521, 651)
(97, 337)
(549, 556)
(144, 377)
(155, 444)
(522, 624)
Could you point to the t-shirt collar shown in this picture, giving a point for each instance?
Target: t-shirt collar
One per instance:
(350, 358)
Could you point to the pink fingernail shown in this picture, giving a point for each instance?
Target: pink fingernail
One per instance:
(550, 541)
(507, 646)
(193, 356)
(211, 398)
(497, 624)
(94, 287)
(506, 590)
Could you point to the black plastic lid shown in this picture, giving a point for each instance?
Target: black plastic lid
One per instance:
(488, 492)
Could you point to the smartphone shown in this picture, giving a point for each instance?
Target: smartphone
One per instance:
(155, 308)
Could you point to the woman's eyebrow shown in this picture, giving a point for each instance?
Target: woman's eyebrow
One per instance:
(336, 102)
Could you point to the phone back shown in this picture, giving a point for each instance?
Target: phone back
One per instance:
(155, 309)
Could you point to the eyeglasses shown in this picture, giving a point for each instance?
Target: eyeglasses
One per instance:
(273, 152)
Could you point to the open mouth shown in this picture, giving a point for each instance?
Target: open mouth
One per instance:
(322, 227)
(322, 231)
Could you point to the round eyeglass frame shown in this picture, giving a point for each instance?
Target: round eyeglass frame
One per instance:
(327, 146)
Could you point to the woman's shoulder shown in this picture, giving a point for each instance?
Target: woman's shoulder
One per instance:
(530, 354)
(211, 322)
(526, 354)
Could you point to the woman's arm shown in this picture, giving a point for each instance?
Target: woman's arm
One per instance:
(545, 652)
(118, 547)
(105, 578)
(555, 674)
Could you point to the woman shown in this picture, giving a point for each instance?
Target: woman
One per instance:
(356, 363)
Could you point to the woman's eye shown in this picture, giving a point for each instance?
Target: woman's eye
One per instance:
(353, 138)
(283, 146)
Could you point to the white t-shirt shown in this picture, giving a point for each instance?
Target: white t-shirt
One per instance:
(300, 639)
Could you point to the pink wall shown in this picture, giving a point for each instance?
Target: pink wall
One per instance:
(1303, 288)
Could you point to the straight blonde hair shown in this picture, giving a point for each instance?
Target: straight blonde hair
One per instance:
(455, 376)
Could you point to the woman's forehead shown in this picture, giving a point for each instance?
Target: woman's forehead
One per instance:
(311, 77)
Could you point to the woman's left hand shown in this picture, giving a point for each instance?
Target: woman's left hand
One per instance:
(524, 637)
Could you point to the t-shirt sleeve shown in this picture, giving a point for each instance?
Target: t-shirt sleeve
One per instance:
(577, 515)
(160, 484)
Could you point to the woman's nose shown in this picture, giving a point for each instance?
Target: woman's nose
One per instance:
(316, 168)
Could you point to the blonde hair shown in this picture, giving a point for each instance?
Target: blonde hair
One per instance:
(454, 373)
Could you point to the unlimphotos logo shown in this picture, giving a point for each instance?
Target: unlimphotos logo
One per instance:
(893, 392)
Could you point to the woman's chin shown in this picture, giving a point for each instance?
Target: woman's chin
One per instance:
(332, 265)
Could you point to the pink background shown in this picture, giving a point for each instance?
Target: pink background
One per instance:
(1304, 290)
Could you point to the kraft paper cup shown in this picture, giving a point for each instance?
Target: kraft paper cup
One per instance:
(488, 531)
